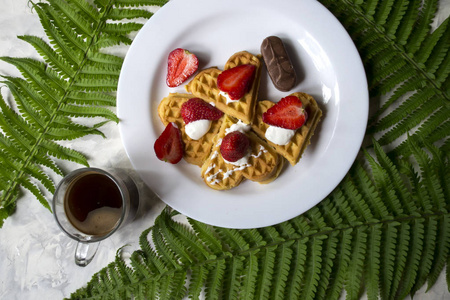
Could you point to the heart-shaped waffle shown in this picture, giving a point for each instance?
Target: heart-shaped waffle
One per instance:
(264, 164)
(295, 148)
(195, 151)
(204, 86)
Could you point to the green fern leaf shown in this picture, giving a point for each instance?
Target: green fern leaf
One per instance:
(328, 258)
(250, 274)
(198, 277)
(340, 265)
(214, 279)
(74, 80)
(281, 270)
(356, 264)
(413, 260)
(383, 11)
(313, 268)
(266, 266)
(297, 270)
(373, 261)
(231, 283)
(124, 3)
(423, 25)
(442, 249)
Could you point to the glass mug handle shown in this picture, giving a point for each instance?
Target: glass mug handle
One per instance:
(85, 252)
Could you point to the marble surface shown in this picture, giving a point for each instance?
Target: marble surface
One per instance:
(36, 257)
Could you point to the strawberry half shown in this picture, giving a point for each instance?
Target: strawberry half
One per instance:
(234, 146)
(288, 113)
(236, 81)
(169, 146)
(181, 65)
(196, 109)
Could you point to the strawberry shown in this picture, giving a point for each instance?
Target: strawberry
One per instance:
(169, 146)
(181, 65)
(196, 109)
(236, 81)
(234, 146)
(288, 113)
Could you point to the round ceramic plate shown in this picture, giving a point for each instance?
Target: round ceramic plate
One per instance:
(328, 67)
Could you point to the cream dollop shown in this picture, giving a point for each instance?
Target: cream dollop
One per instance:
(243, 128)
(196, 129)
(278, 135)
(239, 126)
(229, 100)
(243, 161)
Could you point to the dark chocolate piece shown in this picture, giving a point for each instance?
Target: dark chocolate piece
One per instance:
(278, 63)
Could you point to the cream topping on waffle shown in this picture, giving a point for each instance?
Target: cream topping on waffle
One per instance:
(196, 129)
(278, 135)
(238, 165)
(226, 96)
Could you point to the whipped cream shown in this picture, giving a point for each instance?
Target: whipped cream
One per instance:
(242, 161)
(278, 135)
(261, 151)
(196, 129)
(239, 126)
(238, 165)
(229, 100)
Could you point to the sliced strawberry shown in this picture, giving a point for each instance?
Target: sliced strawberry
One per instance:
(236, 81)
(234, 146)
(169, 146)
(181, 65)
(196, 109)
(288, 113)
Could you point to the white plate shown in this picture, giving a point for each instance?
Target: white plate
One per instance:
(328, 67)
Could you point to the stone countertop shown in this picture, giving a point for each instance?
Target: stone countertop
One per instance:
(37, 259)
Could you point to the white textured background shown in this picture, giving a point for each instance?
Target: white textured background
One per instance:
(36, 258)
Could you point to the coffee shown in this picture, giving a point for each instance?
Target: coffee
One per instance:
(93, 203)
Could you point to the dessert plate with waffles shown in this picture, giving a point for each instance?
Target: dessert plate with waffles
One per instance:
(242, 114)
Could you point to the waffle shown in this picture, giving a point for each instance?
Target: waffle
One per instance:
(204, 86)
(195, 151)
(295, 148)
(264, 164)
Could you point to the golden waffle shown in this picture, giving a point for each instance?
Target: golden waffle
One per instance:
(295, 148)
(263, 164)
(204, 86)
(195, 151)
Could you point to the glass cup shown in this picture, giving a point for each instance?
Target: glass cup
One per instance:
(91, 204)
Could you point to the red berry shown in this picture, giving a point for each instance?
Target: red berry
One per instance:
(234, 146)
(236, 81)
(169, 146)
(181, 65)
(196, 109)
(288, 113)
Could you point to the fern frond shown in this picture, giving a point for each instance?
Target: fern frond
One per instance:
(281, 270)
(266, 265)
(422, 26)
(124, 3)
(232, 280)
(426, 261)
(373, 261)
(127, 13)
(198, 277)
(74, 80)
(328, 258)
(250, 274)
(356, 264)
(411, 265)
(391, 253)
(294, 284)
(214, 279)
